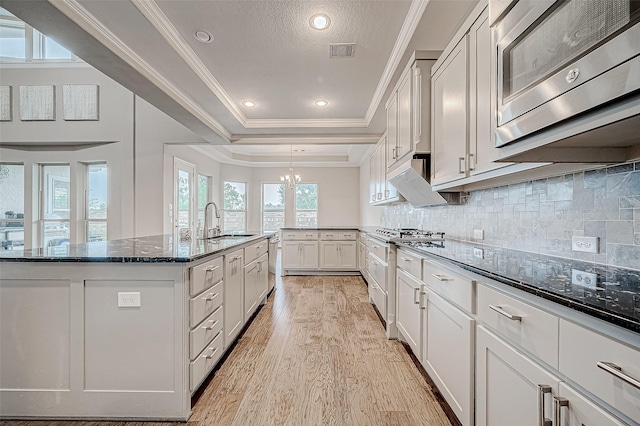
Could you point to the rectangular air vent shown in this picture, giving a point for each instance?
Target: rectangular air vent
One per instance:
(342, 50)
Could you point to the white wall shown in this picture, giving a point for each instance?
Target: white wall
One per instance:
(369, 215)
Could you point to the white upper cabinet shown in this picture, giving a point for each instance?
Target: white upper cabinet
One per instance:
(382, 191)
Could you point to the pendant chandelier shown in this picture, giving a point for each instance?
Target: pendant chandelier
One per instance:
(290, 180)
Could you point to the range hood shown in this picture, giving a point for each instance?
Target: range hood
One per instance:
(411, 179)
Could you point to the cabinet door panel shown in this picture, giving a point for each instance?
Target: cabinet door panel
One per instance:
(250, 289)
(404, 144)
(449, 354)
(233, 299)
(329, 255)
(348, 257)
(263, 276)
(290, 255)
(409, 313)
(449, 116)
(582, 412)
(392, 130)
(309, 258)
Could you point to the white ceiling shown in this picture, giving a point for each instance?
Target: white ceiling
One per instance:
(264, 51)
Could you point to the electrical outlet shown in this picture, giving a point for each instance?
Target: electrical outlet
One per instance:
(586, 244)
(478, 252)
(584, 279)
(478, 234)
(129, 299)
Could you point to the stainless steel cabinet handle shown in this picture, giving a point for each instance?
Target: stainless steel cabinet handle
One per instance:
(543, 390)
(616, 370)
(387, 193)
(461, 165)
(416, 291)
(502, 312)
(236, 258)
(441, 277)
(211, 354)
(406, 259)
(211, 324)
(471, 162)
(211, 269)
(424, 299)
(209, 297)
(558, 403)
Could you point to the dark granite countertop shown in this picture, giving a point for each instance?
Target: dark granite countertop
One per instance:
(615, 297)
(158, 249)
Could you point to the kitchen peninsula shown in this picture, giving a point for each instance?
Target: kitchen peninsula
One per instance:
(123, 329)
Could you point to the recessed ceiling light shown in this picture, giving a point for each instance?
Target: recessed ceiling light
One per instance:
(249, 104)
(321, 103)
(203, 36)
(319, 21)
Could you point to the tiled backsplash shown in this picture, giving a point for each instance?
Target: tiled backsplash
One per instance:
(542, 215)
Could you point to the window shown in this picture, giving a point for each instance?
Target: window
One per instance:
(306, 205)
(55, 205)
(96, 202)
(204, 196)
(235, 206)
(272, 206)
(11, 206)
(22, 43)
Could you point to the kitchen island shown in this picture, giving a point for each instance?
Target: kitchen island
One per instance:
(123, 329)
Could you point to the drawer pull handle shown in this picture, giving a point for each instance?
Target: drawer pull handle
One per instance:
(558, 403)
(209, 297)
(211, 354)
(504, 313)
(406, 259)
(416, 291)
(211, 269)
(616, 370)
(543, 390)
(211, 324)
(441, 277)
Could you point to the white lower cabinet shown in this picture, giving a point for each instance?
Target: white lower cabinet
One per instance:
(233, 300)
(255, 285)
(573, 409)
(300, 255)
(409, 314)
(338, 255)
(448, 354)
(509, 385)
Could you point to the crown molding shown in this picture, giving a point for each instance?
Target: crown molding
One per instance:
(85, 20)
(416, 10)
(157, 18)
(305, 139)
(274, 123)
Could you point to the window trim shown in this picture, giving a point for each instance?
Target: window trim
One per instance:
(42, 204)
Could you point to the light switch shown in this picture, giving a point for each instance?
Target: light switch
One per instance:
(129, 299)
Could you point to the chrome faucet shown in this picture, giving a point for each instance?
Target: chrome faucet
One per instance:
(205, 230)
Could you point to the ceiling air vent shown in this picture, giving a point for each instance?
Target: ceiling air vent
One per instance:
(342, 50)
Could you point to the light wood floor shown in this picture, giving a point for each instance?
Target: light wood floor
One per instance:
(316, 354)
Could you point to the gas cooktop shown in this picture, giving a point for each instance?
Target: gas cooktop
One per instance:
(410, 234)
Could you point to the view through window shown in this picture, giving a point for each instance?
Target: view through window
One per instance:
(235, 207)
(96, 202)
(12, 206)
(306, 205)
(203, 196)
(55, 205)
(272, 206)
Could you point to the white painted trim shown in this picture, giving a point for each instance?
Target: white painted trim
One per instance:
(305, 139)
(416, 10)
(156, 17)
(274, 123)
(85, 20)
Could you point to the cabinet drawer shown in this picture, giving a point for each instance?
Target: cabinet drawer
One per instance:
(379, 249)
(536, 331)
(453, 285)
(410, 263)
(205, 332)
(580, 352)
(378, 298)
(205, 275)
(378, 271)
(300, 235)
(204, 363)
(338, 235)
(582, 411)
(254, 251)
(204, 304)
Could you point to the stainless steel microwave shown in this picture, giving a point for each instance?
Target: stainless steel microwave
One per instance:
(557, 59)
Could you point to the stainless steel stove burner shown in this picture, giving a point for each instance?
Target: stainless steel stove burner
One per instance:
(410, 234)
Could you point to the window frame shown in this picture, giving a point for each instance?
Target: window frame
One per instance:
(5, 221)
(225, 210)
(296, 209)
(43, 202)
